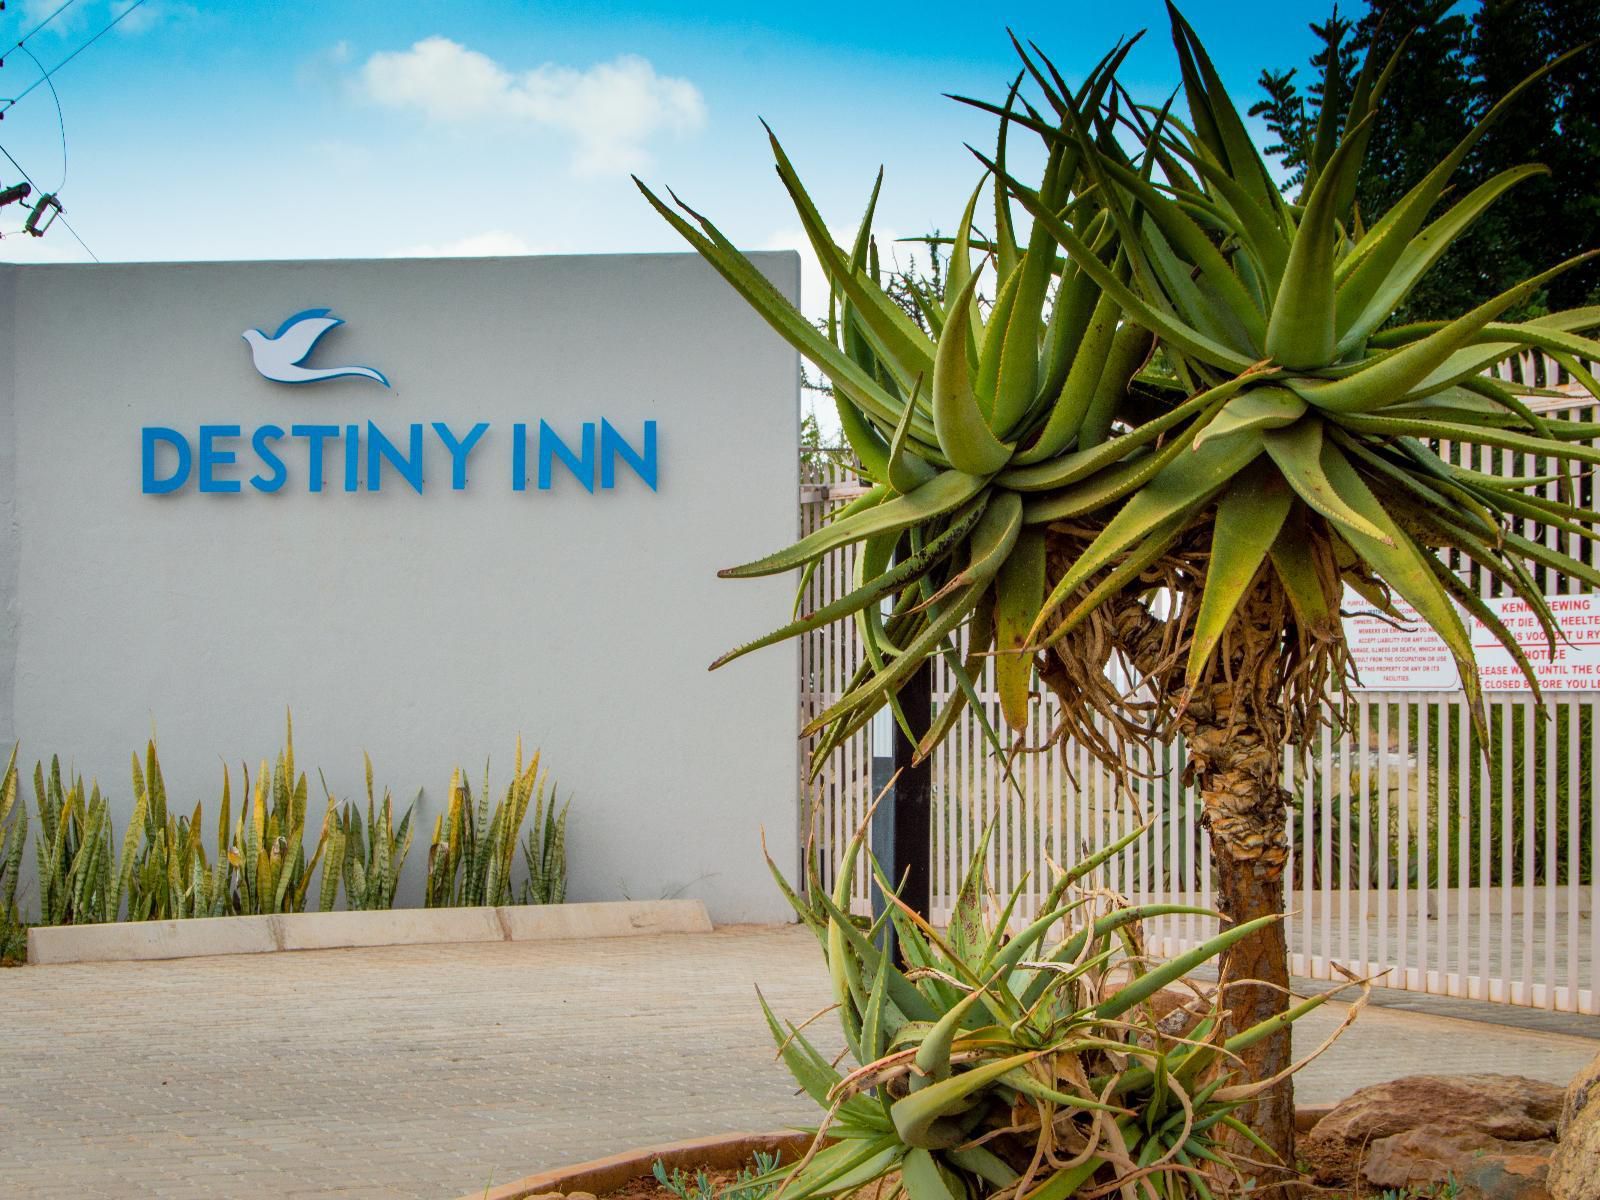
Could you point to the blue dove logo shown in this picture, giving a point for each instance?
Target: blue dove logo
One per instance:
(279, 356)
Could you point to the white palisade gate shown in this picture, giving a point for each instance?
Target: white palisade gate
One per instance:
(1415, 858)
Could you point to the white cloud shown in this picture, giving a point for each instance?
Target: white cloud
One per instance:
(86, 17)
(492, 243)
(610, 110)
(55, 246)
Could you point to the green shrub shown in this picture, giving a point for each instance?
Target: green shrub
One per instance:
(701, 1187)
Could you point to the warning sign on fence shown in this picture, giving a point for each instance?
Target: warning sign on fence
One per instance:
(1571, 665)
(1391, 655)
(1405, 655)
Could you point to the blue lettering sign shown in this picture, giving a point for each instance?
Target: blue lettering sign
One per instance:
(152, 436)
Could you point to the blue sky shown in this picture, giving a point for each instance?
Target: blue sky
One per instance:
(363, 128)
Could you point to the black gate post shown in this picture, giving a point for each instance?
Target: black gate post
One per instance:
(902, 826)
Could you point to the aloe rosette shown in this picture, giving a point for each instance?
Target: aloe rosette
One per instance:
(1186, 424)
(943, 421)
(1030, 1065)
(1303, 427)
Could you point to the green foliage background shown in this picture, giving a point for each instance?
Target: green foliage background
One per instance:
(1457, 64)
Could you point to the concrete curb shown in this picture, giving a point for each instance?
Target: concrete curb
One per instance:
(126, 941)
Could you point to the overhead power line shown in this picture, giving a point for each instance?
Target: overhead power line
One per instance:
(107, 28)
(63, 8)
(59, 216)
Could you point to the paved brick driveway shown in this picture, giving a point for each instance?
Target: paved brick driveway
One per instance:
(428, 1071)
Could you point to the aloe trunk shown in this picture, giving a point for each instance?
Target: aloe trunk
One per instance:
(1237, 766)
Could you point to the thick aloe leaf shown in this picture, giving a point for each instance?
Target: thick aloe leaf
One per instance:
(1103, 927)
(776, 310)
(1389, 379)
(943, 493)
(810, 1070)
(1071, 406)
(1130, 352)
(920, 1118)
(895, 336)
(1365, 270)
(964, 433)
(843, 1167)
(960, 269)
(1473, 603)
(1249, 515)
(925, 1178)
(1182, 486)
(907, 470)
(887, 583)
(1173, 969)
(1263, 407)
(966, 913)
(1255, 226)
(1154, 545)
(1399, 563)
(955, 610)
(1070, 468)
(933, 1055)
(1017, 382)
(1480, 434)
(1299, 451)
(1300, 333)
(1019, 594)
(1354, 325)
(1073, 307)
(1190, 240)
(1215, 119)
(1178, 334)
(985, 1164)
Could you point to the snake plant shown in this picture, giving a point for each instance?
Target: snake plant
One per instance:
(1032, 1064)
(78, 876)
(544, 851)
(13, 835)
(471, 854)
(268, 848)
(170, 875)
(366, 860)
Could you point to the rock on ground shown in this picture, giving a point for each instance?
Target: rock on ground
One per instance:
(1491, 1134)
(1575, 1165)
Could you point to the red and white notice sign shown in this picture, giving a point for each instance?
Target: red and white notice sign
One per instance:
(1396, 656)
(1571, 665)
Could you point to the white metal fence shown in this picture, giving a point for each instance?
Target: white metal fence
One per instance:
(1413, 855)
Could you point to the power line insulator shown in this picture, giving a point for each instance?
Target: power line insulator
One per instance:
(17, 191)
(47, 203)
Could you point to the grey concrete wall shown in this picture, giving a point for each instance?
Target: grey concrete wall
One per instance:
(426, 629)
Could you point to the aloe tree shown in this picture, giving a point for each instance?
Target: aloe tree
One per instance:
(1074, 498)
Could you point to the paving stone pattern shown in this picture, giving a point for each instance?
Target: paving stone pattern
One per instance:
(428, 1071)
